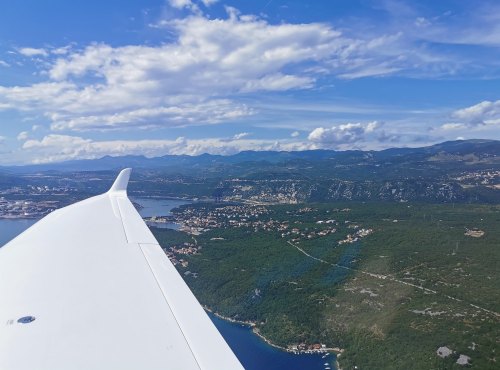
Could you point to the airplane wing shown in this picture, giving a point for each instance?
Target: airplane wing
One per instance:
(88, 287)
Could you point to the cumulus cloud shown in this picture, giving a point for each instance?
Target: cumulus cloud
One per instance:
(31, 52)
(104, 87)
(295, 134)
(180, 3)
(189, 4)
(342, 134)
(185, 4)
(484, 113)
(209, 64)
(208, 3)
(199, 76)
(22, 135)
(61, 50)
(55, 148)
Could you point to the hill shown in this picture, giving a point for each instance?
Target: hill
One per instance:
(456, 171)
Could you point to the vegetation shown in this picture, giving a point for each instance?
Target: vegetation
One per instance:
(390, 299)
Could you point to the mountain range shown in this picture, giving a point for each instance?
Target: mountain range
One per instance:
(463, 151)
(453, 171)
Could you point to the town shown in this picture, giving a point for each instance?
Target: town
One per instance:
(13, 209)
(196, 219)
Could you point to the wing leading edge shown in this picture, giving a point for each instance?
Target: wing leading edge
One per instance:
(88, 287)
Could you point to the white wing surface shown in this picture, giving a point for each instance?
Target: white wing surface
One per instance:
(88, 287)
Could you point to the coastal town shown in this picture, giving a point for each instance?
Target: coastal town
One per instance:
(250, 185)
(19, 209)
(198, 219)
(33, 201)
(176, 252)
(301, 225)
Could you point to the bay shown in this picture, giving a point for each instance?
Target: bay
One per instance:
(159, 207)
(255, 354)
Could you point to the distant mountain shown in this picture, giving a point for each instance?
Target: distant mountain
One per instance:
(453, 171)
(460, 150)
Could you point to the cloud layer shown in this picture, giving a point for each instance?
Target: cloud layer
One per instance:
(56, 148)
(235, 69)
(199, 77)
(190, 81)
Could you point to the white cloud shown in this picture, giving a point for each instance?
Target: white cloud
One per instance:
(295, 134)
(372, 126)
(189, 4)
(31, 52)
(22, 135)
(484, 113)
(199, 76)
(211, 112)
(422, 22)
(278, 82)
(4, 63)
(369, 71)
(61, 50)
(208, 3)
(452, 126)
(241, 135)
(212, 61)
(42, 96)
(179, 4)
(55, 148)
(385, 137)
(185, 4)
(342, 134)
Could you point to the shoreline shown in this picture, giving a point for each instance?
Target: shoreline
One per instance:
(337, 351)
(16, 217)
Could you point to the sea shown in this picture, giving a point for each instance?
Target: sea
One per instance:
(253, 352)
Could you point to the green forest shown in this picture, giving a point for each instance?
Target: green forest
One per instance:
(425, 277)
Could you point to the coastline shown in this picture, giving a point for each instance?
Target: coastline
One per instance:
(337, 351)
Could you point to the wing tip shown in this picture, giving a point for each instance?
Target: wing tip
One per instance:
(121, 182)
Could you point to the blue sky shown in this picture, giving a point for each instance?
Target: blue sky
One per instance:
(84, 79)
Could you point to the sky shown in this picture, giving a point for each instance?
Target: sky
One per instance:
(86, 78)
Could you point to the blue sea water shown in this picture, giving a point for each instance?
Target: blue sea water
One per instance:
(9, 229)
(253, 353)
(159, 207)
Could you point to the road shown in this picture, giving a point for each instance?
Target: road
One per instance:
(391, 278)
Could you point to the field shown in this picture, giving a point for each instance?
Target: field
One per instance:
(414, 283)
